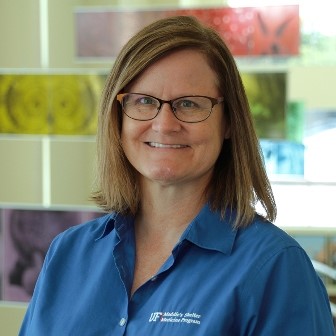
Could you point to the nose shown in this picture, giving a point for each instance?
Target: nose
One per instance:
(165, 121)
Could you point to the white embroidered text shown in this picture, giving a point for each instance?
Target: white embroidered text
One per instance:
(175, 317)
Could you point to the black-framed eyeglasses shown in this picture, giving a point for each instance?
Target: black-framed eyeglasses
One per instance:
(190, 109)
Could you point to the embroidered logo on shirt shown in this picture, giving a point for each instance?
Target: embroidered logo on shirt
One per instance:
(175, 317)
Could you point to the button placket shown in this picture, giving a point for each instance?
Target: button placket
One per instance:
(122, 321)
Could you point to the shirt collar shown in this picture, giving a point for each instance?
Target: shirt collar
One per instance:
(208, 230)
(107, 223)
(211, 231)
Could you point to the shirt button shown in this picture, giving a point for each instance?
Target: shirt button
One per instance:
(122, 322)
(153, 278)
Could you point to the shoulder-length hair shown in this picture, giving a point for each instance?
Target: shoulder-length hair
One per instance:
(239, 180)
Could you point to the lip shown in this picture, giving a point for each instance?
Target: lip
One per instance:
(165, 146)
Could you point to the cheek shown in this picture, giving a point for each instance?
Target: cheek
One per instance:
(215, 135)
(210, 146)
(126, 138)
(217, 144)
(128, 130)
(214, 144)
(220, 131)
(123, 133)
(131, 134)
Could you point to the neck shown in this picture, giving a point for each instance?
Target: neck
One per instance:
(167, 209)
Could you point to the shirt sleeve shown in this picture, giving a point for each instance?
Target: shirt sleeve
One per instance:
(27, 328)
(285, 296)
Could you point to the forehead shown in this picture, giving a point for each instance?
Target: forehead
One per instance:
(185, 71)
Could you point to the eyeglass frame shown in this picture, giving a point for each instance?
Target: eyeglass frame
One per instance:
(214, 101)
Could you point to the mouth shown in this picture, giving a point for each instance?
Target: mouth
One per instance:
(160, 145)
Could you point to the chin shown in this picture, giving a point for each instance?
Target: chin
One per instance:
(164, 174)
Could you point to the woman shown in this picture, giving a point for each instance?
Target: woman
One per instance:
(182, 251)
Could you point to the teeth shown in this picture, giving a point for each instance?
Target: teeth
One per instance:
(159, 145)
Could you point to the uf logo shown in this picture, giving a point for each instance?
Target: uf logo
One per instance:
(154, 316)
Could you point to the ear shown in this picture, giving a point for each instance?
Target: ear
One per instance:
(227, 132)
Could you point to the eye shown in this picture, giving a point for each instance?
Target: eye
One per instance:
(145, 100)
(185, 104)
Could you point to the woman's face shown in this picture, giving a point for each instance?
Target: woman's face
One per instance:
(165, 149)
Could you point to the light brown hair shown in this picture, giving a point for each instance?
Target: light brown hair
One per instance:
(239, 180)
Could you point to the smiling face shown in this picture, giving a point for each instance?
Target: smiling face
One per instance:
(165, 149)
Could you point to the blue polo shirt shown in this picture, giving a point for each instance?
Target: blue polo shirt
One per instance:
(217, 281)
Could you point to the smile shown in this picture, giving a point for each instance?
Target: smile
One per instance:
(160, 145)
